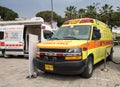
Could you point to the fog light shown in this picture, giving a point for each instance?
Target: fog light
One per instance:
(73, 58)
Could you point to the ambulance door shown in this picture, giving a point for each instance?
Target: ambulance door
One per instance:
(14, 44)
(96, 38)
(2, 44)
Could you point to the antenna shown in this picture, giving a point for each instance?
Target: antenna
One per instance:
(96, 8)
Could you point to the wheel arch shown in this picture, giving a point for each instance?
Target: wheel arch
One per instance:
(91, 56)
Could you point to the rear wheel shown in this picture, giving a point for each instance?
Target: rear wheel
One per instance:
(6, 56)
(87, 73)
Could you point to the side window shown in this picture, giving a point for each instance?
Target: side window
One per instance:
(96, 34)
(1, 35)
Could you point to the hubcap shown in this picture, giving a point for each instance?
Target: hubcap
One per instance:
(90, 67)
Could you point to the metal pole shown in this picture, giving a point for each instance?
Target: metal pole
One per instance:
(51, 11)
(105, 62)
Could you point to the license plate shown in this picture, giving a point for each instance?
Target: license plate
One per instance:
(49, 67)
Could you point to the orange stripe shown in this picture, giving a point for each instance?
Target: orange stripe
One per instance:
(94, 44)
(90, 45)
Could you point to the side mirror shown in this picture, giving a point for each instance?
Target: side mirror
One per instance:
(47, 34)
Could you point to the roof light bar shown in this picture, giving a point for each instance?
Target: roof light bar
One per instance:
(66, 22)
(87, 21)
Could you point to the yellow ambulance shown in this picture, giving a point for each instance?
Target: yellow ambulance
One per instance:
(75, 48)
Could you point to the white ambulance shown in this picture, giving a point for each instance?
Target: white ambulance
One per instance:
(14, 35)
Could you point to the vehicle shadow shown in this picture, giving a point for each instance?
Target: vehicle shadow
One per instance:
(65, 77)
(58, 77)
(14, 57)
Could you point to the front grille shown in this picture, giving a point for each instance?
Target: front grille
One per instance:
(52, 58)
(53, 50)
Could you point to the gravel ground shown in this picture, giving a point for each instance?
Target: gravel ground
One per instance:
(13, 73)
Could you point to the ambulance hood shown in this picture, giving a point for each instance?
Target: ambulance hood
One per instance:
(62, 44)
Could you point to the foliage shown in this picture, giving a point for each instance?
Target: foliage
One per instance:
(115, 19)
(7, 14)
(105, 14)
(46, 15)
(71, 12)
(91, 11)
(81, 13)
(118, 9)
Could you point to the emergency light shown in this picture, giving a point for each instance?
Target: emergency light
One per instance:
(42, 27)
(66, 22)
(87, 21)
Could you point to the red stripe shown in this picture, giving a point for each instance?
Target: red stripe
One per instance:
(2, 44)
(13, 45)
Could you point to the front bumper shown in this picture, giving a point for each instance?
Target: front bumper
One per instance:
(66, 67)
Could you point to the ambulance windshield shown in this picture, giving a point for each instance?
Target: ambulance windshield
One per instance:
(81, 32)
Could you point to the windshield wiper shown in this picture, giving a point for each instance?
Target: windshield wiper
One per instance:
(70, 37)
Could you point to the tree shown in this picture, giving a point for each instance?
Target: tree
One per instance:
(105, 13)
(7, 14)
(81, 13)
(115, 16)
(118, 9)
(46, 15)
(70, 12)
(115, 19)
(91, 11)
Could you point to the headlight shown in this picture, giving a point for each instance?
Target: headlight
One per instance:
(37, 53)
(73, 52)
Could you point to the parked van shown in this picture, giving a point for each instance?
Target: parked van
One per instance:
(75, 48)
(14, 35)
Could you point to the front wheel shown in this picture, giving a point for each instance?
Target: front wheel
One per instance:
(87, 73)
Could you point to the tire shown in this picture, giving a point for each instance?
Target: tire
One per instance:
(110, 57)
(88, 71)
(5, 56)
